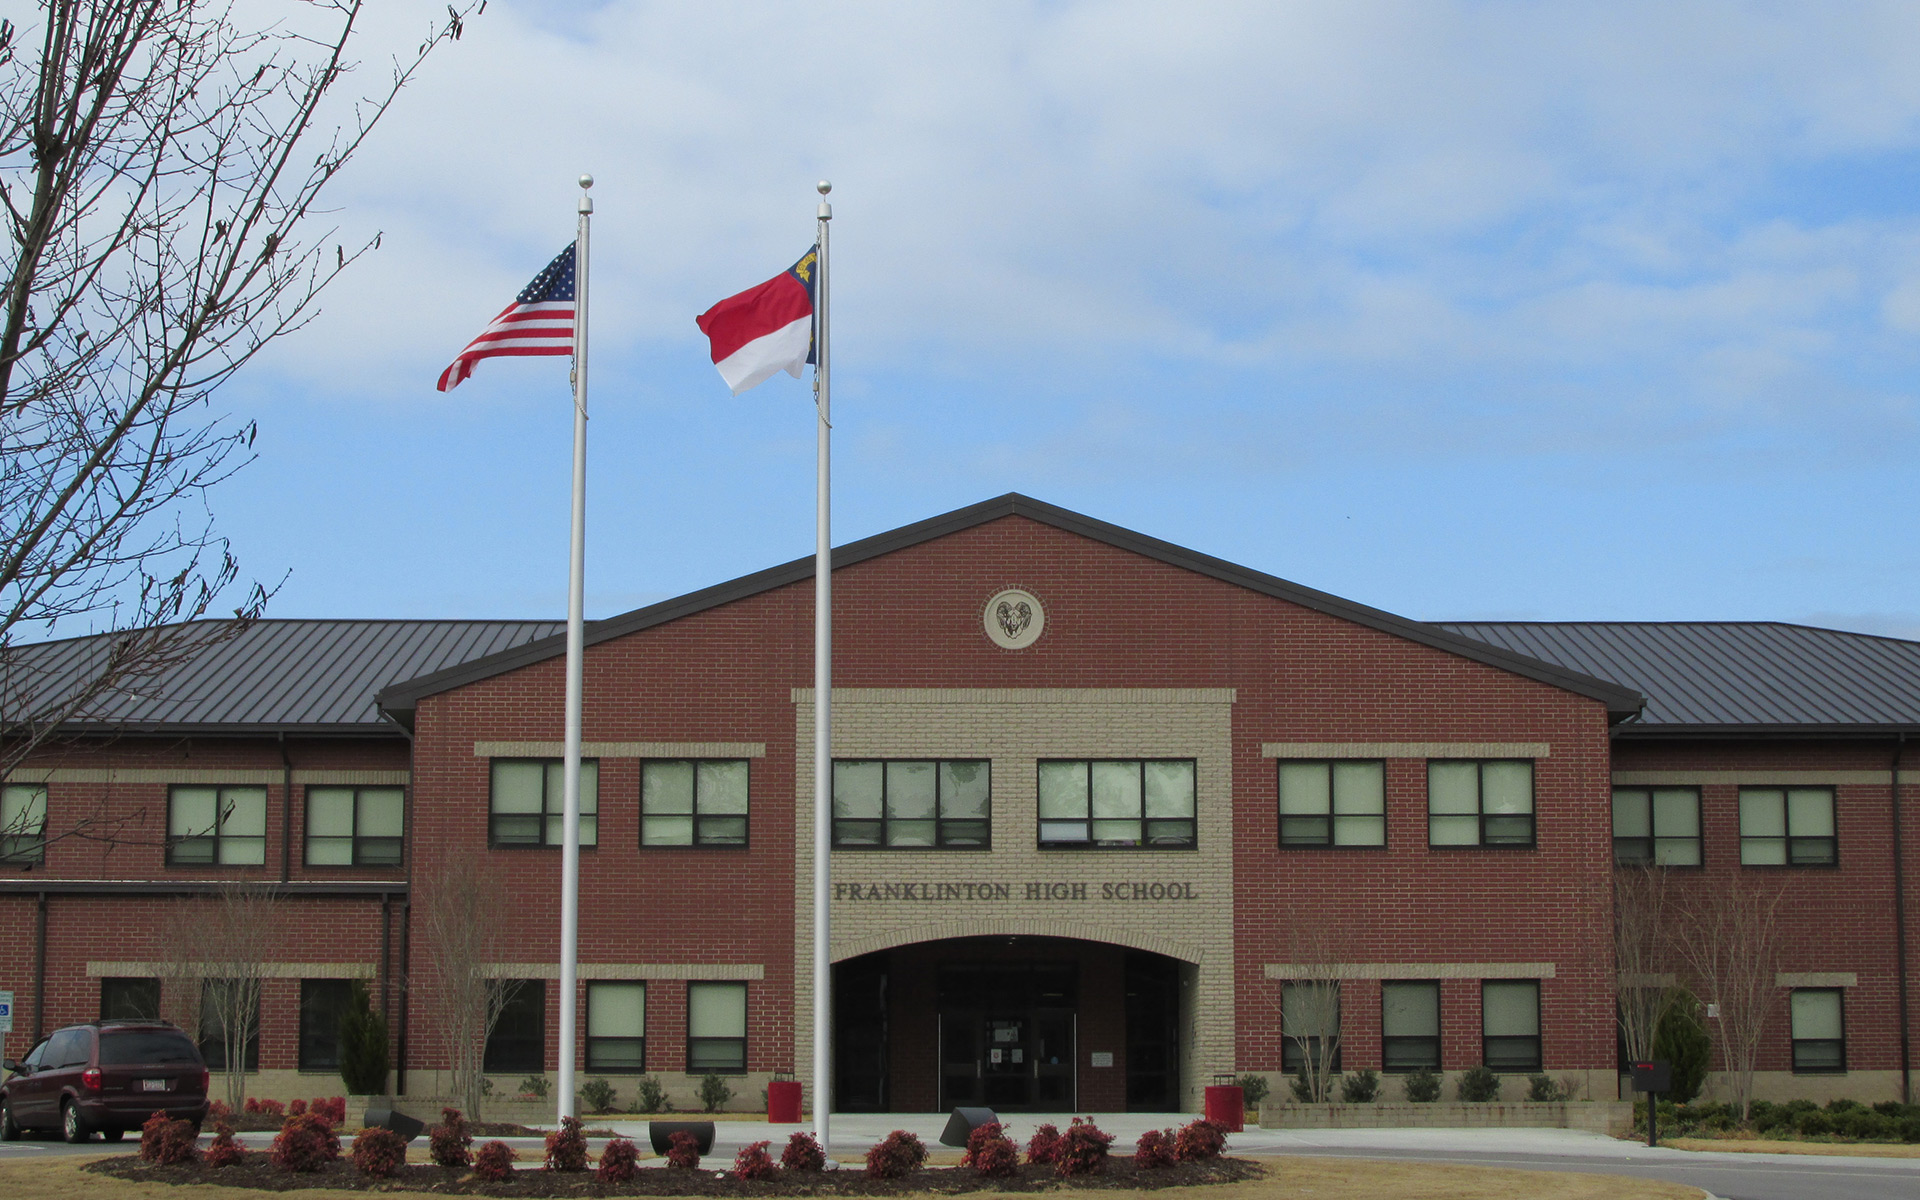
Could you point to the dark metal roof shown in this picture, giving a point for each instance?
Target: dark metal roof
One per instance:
(1735, 677)
(1621, 702)
(311, 676)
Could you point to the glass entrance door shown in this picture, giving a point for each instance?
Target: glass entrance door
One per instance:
(1007, 1037)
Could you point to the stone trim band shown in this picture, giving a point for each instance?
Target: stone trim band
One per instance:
(1409, 971)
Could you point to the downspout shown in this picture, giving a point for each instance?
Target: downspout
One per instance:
(406, 992)
(286, 810)
(40, 970)
(406, 920)
(1900, 924)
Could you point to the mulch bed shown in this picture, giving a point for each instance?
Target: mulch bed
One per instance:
(256, 1172)
(266, 1123)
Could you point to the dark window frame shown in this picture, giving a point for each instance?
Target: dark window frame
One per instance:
(557, 800)
(1649, 846)
(311, 1041)
(218, 837)
(1532, 815)
(22, 848)
(699, 842)
(1512, 1065)
(1839, 1043)
(510, 1051)
(112, 1011)
(1789, 839)
(1293, 1056)
(603, 1066)
(1388, 1041)
(1330, 842)
(941, 825)
(1192, 823)
(356, 838)
(707, 1068)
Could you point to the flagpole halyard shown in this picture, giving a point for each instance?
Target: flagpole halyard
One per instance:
(822, 694)
(576, 653)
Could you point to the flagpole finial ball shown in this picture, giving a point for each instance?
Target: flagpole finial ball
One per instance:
(586, 181)
(823, 187)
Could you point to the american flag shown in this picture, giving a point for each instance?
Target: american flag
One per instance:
(539, 321)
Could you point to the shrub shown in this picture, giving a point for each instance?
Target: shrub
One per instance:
(1154, 1150)
(165, 1141)
(1813, 1123)
(1044, 1145)
(535, 1086)
(219, 1110)
(1423, 1085)
(332, 1110)
(683, 1150)
(997, 1158)
(895, 1155)
(1682, 1040)
(296, 1108)
(223, 1151)
(379, 1153)
(1302, 1085)
(1543, 1090)
(714, 1093)
(1866, 1125)
(363, 1045)
(984, 1132)
(493, 1162)
(1479, 1085)
(1199, 1140)
(305, 1143)
(1253, 1089)
(1361, 1087)
(567, 1147)
(449, 1143)
(803, 1154)
(1083, 1149)
(650, 1097)
(1909, 1129)
(618, 1162)
(1843, 1104)
(1891, 1108)
(265, 1108)
(753, 1162)
(598, 1094)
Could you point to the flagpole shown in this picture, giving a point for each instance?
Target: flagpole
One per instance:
(576, 653)
(822, 696)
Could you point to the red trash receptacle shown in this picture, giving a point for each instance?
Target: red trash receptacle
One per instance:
(1227, 1107)
(783, 1102)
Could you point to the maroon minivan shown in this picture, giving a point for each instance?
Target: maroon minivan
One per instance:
(105, 1076)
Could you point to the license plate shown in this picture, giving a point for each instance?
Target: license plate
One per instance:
(153, 1085)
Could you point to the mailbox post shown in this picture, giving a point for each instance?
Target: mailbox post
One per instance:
(1654, 1079)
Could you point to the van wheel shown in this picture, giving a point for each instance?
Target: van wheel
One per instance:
(8, 1130)
(71, 1125)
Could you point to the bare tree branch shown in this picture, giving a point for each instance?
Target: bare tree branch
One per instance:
(222, 944)
(1728, 937)
(463, 914)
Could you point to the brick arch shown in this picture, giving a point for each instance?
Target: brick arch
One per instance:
(1079, 931)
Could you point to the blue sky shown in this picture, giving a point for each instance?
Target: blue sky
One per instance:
(1503, 310)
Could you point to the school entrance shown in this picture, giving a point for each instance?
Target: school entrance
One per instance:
(1016, 1024)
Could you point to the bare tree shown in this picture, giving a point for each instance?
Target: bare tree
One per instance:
(463, 918)
(1310, 1009)
(161, 171)
(1728, 938)
(1643, 955)
(220, 946)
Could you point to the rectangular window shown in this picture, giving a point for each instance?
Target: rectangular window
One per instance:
(1333, 804)
(355, 827)
(1787, 827)
(927, 804)
(1309, 1023)
(1819, 1032)
(1510, 1024)
(617, 1028)
(1656, 825)
(322, 1003)
(693, 802)
(1480, 803)
(129, 999)
(221, 1003)
(1410, 1026)
(1129, 802)
(217, 826)
(527, 802)
(716, 1028)
(23, 823)
(519, 1039)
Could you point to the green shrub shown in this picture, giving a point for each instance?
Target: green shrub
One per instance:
(598, 1094)
(650, 1097)
(1541, 1089)
(1479, 1085)
(363, 1045)
(1361, 1087)
(1302, 1086)
(714, 1093)
(1253, 1089)
(1423, 1085)
(1892, 1108)
(534, 1085)
(1796, 1107)
(1844, 1104)
(1910, 1129)
(1813, 1123)
(1682, 1040)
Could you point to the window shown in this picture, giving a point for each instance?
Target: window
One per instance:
(129, 999)
(23, 823)
(223, 826)
(617, 1028)
(1787, 827)
(519, 1038)
(1656, 825)
(68, 1048)
(1479, 803)
(1117, 803)
(1510, 1024)
(322, 1003)
(926, 804)
(1410, 1026)
(1333, 804)
(1309, 1023)
(1819, 1032)
(224, 1002)
(694, 803)
(716, 1028)
(528, 799)
(355, 827)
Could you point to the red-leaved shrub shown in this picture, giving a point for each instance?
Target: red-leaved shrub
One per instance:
(218, 1110)
(1154, 1150)
(986, 1131)
(1044, 1145)
(379, 1153)
(296, 1107)
(448, 1143)
(265, 1108)
(618, 1161)
(165, 1141)
(1082, 1149)
(683, 1150)
(895, 1155)
(223, 1151)
(493, 1162)
(567, 1146)
(333, 1109)
(1200, 1139)
(304, 1143)
(753, 1162)
(996, 1156)
(803, 1154)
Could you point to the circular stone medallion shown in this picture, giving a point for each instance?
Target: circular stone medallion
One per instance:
(1014, 619)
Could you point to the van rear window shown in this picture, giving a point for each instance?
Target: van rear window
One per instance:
(147, 1047)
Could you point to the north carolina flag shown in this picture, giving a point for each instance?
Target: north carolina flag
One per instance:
(764, 329)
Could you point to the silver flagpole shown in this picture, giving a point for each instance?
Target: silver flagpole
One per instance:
(822, 699)
(576, 654)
